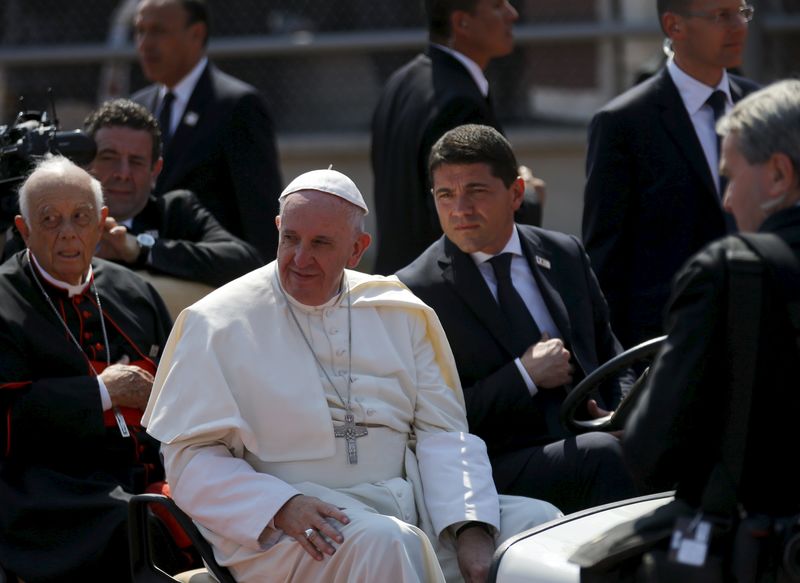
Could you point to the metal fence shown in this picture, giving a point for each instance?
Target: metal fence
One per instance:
(321, 63)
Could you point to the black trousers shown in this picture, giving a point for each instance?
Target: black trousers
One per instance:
(573, 474)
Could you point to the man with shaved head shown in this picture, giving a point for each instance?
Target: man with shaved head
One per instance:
(313, 421)
(79, 343)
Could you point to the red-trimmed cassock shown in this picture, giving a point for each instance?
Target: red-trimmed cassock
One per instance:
(66, 471)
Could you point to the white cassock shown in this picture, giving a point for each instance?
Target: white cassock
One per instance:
(245, 415)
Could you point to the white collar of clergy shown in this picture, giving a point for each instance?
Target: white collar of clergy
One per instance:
(72, 290)
(334, 302)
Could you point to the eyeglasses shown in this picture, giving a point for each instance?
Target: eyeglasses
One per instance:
(726, 17)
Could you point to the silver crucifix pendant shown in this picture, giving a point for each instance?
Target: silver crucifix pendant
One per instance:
(350, 431)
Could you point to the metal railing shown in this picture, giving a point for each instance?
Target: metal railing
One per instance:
(118, 54)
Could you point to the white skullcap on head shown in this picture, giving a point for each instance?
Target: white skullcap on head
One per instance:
(328, 181)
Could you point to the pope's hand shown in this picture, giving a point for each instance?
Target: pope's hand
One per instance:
(128, 385)
(306, 512)
(474, 549)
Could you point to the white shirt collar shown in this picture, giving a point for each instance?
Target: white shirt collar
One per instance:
(183, 88)
(693, 92)
(333, 302)
(513, 246)
(72, 290)
(472, 67)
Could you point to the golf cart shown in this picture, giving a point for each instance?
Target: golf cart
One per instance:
(539, 554)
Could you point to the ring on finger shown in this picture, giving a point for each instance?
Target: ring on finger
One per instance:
(309, 532)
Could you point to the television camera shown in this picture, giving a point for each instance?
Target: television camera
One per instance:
(32, 136)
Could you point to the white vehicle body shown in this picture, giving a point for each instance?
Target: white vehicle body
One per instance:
(541, 555)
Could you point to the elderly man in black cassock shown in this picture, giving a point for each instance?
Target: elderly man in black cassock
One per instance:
(79, 342)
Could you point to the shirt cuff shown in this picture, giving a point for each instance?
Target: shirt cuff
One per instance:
(104, 396)
(532, 389)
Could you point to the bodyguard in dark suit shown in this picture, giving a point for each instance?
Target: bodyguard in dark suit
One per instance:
(485, 276)
(219, 140)
(653, 196)
(172, 234)
(443, 88)
(675, 433)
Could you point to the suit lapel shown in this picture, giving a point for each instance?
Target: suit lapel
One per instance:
(464, 278)
(455, 68)
(148, 219)
(736, 90)
(546, 280)
(678, 125)
(151, 101)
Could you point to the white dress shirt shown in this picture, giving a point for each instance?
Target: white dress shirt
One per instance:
(182, 91)
(527, 288)
(694, 95)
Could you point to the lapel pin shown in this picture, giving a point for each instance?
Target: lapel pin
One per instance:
(541, 261)
(190, 119)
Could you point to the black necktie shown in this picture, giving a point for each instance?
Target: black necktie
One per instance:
(522, 324)
(165, 117)
(717, 101)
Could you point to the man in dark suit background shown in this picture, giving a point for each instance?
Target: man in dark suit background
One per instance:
(653, 195)
(172, 234)
(435, 92)
(516, 379)
(218, 137)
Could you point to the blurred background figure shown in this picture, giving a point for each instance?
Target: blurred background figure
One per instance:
(218, 136)
(172, 234)
(321, 67)
(653, 194)
(440, 89)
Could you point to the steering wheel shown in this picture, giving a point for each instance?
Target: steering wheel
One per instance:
(616, 420)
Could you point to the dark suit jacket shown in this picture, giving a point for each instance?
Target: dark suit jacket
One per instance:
(674, 434)
(499, 407)
(228, 157)
(190, 242)
(650, 201)
(421, 101)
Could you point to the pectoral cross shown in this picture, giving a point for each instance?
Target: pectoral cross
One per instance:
(350, 431)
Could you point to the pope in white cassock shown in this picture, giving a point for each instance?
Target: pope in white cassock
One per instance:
(313, 422)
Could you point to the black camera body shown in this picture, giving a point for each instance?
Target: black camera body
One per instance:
(30, 138)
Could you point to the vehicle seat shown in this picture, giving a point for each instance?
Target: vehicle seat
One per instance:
(143, 567)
